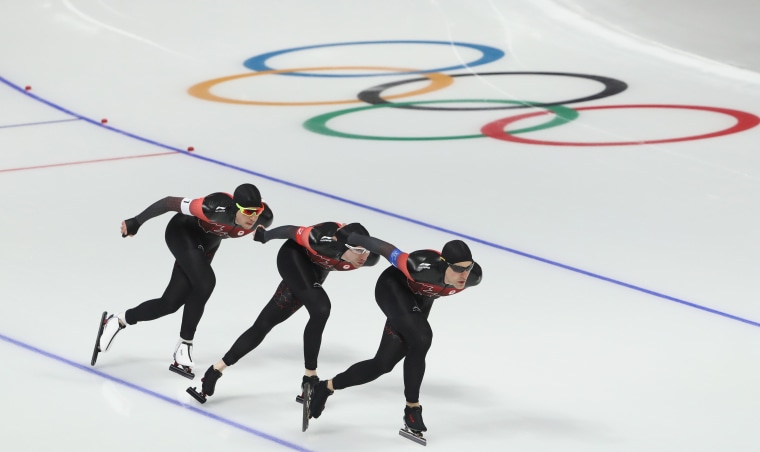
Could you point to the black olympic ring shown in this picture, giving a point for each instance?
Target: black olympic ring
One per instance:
(611, 87)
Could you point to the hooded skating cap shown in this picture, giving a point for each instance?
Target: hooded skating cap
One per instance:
(247, 195)
(456, 251)
(345, 231)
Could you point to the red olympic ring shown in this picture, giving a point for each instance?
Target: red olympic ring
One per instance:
(744, 121)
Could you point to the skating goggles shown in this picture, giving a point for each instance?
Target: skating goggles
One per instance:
(357, 249)
(461, 269)
(250, 211)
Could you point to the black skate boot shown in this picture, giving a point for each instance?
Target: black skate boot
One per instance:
(208, 387)
(318, 399)
(413, 425)
(313, 380)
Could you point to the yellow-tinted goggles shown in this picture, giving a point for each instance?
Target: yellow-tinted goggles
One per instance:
(357, 249)
(250, 211)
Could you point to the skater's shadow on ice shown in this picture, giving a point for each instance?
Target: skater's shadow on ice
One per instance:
(489, 416)
(548, 427)
(539, 425)
(246, 400)
(456, 393)
(130, 363)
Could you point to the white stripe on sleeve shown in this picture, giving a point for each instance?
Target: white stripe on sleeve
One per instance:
(185, 206)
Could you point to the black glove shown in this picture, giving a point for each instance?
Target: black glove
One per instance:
(260, 235)
(132, 226)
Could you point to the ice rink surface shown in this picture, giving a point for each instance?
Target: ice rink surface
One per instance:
(600, 160)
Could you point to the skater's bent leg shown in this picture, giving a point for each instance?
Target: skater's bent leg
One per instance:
(305, 279)
(407, 317)
(193, 252)
(317, 302)
(414, 368)
(280, 308)
(199, 273)
(172, 299)
(418, 336)
(391, 350)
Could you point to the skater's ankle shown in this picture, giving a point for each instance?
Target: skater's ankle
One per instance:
(310, 373)
(413, 404)
(220, 366)
(330, 385)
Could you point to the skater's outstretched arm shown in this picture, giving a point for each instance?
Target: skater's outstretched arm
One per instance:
(169, 204)
(280, 232)
(306, 236)
(377, 246)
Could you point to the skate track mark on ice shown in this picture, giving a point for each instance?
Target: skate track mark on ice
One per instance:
(84, 162)
(156, 395)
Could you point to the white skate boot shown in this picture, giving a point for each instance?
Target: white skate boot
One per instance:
(183, 359)
(113, 325)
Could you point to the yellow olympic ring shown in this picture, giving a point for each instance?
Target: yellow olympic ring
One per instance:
(203, 90)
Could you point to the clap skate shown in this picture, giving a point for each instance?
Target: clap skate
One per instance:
(107, 330)
(208, 386)
(314, 381)
(413, 425)
(183, 361)
(307, 386)
(96, 350)
(413, 435)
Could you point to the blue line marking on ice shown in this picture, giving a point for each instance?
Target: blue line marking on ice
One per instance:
(337, 198)
(387, 213)
(162, 397)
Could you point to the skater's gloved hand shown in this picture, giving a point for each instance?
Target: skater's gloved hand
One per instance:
(260, 235)
(129, 227)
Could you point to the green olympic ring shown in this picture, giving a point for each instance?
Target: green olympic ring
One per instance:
(318, 124)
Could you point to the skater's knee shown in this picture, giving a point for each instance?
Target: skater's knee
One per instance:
(172, 306)
(262, 326)
(205, 287)
(421, 341)
(319, 312)
(384, 366)
(426, 342)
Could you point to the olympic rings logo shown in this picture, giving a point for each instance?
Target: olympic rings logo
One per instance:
(436, 79)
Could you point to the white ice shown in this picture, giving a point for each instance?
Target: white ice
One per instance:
(619, 306)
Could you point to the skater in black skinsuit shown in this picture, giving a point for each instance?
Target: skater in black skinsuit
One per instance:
(304, 261)
(193, 236)
(405, 293)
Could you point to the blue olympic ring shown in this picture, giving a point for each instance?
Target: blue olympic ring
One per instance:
(489, 54)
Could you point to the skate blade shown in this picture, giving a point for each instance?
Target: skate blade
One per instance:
(306, 412)
(184, 371)
(196, 395)
(96, 350)
(416, 437)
